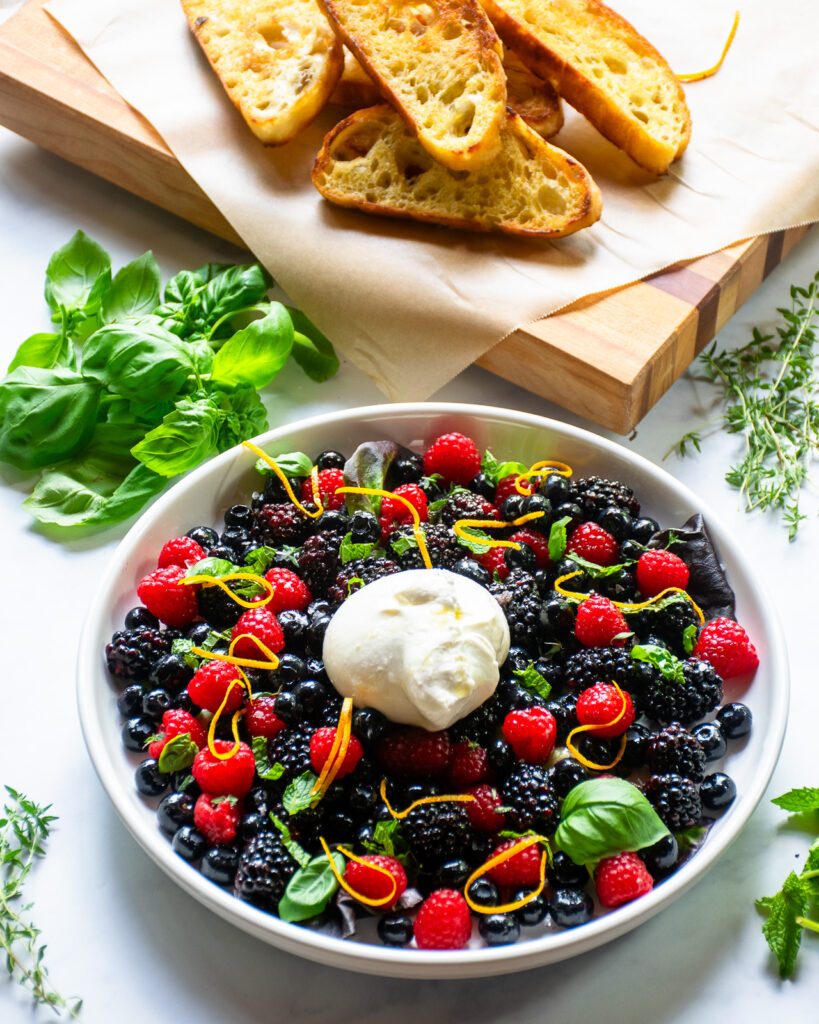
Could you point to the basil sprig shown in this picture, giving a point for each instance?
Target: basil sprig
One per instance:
(310, 889)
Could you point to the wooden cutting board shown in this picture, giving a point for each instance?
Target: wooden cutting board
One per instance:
(608, 358)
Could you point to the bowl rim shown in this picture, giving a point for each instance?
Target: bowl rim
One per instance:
(414, 963)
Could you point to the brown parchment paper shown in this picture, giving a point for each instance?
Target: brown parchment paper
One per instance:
(413, 305)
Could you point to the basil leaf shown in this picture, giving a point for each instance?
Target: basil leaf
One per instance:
(497, 471)
(349, 551)
(135, 361)
(298, 795)
(557, 538)
(134, 292)
(211, 567)
(311, 349)
(45, 351)
(291, 464)
(244, 416)
(298, 853)
(257, 353)
(264, 768)
(310, 889)
(604, 817)
(799, 801)
(182, 287)
(186, 437)
(259, 560)
(533, 681)
(78, 275)
(45, 416)
(233, 289)
(669, 665)
(178, 753)
(368, 467)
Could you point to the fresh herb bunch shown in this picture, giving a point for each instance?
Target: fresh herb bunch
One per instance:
(136, 385)
(795, 908)
(24, 828)
(768, 389)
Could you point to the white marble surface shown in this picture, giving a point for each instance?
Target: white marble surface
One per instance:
(135, 947)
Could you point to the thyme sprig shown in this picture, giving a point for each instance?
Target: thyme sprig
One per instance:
(768, 394)
(24, 829)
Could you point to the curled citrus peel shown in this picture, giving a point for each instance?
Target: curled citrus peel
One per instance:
(369, 901)
(545, 467)
(697, 76)
(501, 858)
(234, 722)
(271, 664)
(625, 606)
(594, 727)
(269, 461)
(442, 798)
(338, 751)
(461, 527)
(418, 533)
(222, 583)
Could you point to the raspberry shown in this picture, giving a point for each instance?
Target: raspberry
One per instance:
(598, 622)
(261, 623)
(290, 592)
(505, 489)
(180, 551)
(176, 722)
(132, 653)
(217, 818)
(495, 563)
(282, 524)
(602, 703)
(537, 542)
(261, 718)
(329, 480)
(522, 870)
(373, 884)
(395, 513)
(657, 570)
(320, 743)
(466, 505)
(455, 457)
(415, 753)
(443, 921)
(164, 597)
(725, 645)
(483, 812)
(621, 879)
(531, 732)
(230, 777)
(210, 683)
(593, 543)
(469, 765)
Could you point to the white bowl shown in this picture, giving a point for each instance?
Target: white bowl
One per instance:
(203, 496)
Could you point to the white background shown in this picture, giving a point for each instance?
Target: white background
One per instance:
(136, 948)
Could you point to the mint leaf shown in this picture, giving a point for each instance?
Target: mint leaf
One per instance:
(652, 654)
(259, 560)
(264, 768)
(178, 753)
(496, 470)
(186, 783)
(211, 567)
(350, 552)
(533, 681)
(183, 648)
(291, 464)
(782, 930)
(799, 801)
(354, 583)
(593, 569)
(388, 840)
(310, 889)
(557, 538)
(402, 543)
(478, 542)
(298, 795)
(689, 638)
(298, 853)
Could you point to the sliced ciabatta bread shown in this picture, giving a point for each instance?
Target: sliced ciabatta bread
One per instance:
(279, 60)
(439, 63)
(535, 100)
(373, 162)
(601, 64)
(355, 88)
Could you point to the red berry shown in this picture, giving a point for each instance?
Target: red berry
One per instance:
(593, 543)
(455, 457)
(621, 879)
(176, 722)
(537, 542)
(163, 596)
(657, 570)
(320, 743)
(329, 480)
(443, 921)
(469, 765)
(210, 683)
(506, 488)
(414, 753)
(230, 777)
(483, 810)
(494, 561)
(261, 623)
(261, 718)
(180, 551)
(531, 733)
(217, 818)
(290, 592)
(598, 622)
(602, 703)
(374, 884)
(395, 513)
(726, 645)
(523, 869)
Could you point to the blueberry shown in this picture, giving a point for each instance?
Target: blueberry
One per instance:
(239, 515)
(661, 858)
(170, 673)
(556, 488)
(717, 791)
(236, 538)
(521, 558)
(204, 536)
(311, 696)
(140, 616)
(335, 521)
(634, 755)
(136, 732)
(252, 824)
(369, 725)
(198, 633)
(565, 775)
(184, 702)
(316, 630)
(533, 912)
(395, 929)
(642, 530)
(482, 485)
(316, 670)
(564, 873)
(363, 797)
(559, 616)
(150, 781)
(479, 848)
(570, 907)
(330, 460)
(155, 703)
(175, 810)
(630, 550)
(710, 738)
(129, 702)
(364, 835)
(224, 552)
(452, 874)
(536, 503)
(616, 522)
(288, 708)
(292, 668)
(189, 843)
(295, 626)
(500, 755)
(318, 607)
(734, 721)
(220, 863)
(517, 658)
(407, 469)
(364, 528)
(499, 929)
(512, 507)
(338, 825)
(472, 570)
(484, 893)
(569, 510)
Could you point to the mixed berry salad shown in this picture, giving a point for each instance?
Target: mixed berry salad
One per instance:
(458, 696)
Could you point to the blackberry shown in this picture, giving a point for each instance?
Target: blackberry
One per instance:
(132, 653)
(528, 794)
(282, 524)
(667, 622)
(291, 749)
(219, 608)
(594, 494)
(318, 561)
(667, 701)
(606, 665)
(522, 605)
(367, 569)
(437, 833)
(675, 799)
(481, 724)
(674, 749)
(264, 869)
(442, 544)
(465, 505)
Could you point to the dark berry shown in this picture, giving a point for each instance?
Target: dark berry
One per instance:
(132, 653)
(616, 521)
(642, 530)
(252, 824)
(499, 929)
(175, 810)
(395, 929)
(634, 756)
(264, 869)
(316, 630)
(472, 570)
(204, 536)
(189, 843)
(675, 799)
(369, 725)
(150, 781)
(407, 469)
(437, 832)
(536, 503)
(564, 710)
(334, 521)
(288, 708)
(140, 616)
(296, 628)
(594, 494)
(364, 528)
(569, 510)
(570, 907)
(532, 803)
(136, 732)
(452, 874)
(330, 460)
(291, 668)
(667, 701)
(219, 864)
(521, 558)
(565, 775)
(363, 797)
(555, 488)
(239, 515)
(482, 485)
(500, 755)
(661, 858)
(129, 702)
(220, 610)
(484, 893)
(224, 552)
(198, 633)
(718, 791)
(734, 721)
(630, 550)
(710, 738)
(674, 749)
(512, 507)
(533, 912)
(311, 696)
(155, 703)
(564, 873)
(171, 673)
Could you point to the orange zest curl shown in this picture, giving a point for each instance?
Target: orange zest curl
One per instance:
(545, 467)
(418, 533)
(234, 723)
(271, 462)
(222, 583)
(626, 607)
(500, 858)
(443, 798)
(338, 751)
(461, 527)
(594, 728)
(271, 664)
(698, 76)
(381, 901)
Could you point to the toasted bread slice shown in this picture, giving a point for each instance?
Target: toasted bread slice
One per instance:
(535, 100)
(439, 63)
(373, 162)
(601, 64)
(355, 88)
(279, 60)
